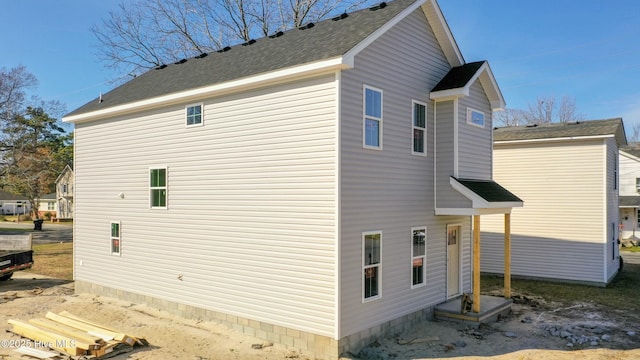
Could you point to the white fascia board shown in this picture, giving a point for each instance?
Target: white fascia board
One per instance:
(628, 206)
(567, 138)
(324, 66)
(449, 94)
(629, 156)
(471, 211)
(349, 57)
(489, 81)
(443, 33)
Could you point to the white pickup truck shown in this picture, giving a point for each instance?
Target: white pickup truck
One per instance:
(15, 254)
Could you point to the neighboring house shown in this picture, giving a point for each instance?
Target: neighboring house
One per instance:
(64, 193)
(568, 176)
(287, 186)
(629, 193)
(47, 204)
(11, 204)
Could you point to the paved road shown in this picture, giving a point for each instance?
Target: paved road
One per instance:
(51, 233)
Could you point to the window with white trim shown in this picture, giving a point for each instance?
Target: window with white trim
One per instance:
(115, 238)
(158, 188)
(194, 115)
(475, 117)
(419, 128)
(418, 256)
(371, 245)
(638, 185)
(372, 120)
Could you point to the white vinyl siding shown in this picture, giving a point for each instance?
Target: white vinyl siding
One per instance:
(561, 216)
(252, 212)
(475, 142)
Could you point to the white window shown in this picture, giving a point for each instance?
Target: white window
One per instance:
(372, 120)
(194, 115)
(115, 238)
(475, 117)
(158, 188)
(418, 256)
(371, 265)
(419, 128)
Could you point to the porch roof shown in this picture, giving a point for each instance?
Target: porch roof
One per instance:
(629, 202)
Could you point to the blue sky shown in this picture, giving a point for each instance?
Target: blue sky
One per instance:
(588, 50)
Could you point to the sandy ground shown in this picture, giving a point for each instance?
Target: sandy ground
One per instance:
(535, 330)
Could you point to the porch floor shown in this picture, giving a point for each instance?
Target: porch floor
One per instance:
(491, 308)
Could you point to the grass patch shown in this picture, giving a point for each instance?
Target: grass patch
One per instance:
(54, 260)
(13, 231)
(622, 293)
(633, 249)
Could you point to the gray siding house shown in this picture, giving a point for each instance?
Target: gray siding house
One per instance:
(314, 188)
(568, 175)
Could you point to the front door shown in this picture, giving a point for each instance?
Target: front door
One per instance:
(453, 260)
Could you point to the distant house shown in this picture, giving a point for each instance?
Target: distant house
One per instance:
(315, 188)
(630, 193)
(47, 205)
(64, 194)
(568, 176)
(11, 204)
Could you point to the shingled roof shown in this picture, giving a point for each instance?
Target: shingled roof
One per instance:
(578, 129)
(311, 43)
(459, 76)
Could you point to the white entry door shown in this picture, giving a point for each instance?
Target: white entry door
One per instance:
(453, 260)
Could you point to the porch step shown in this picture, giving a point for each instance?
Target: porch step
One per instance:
(491, 309)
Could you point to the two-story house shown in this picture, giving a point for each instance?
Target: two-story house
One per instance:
(629, 159)
(568, 176)
(315, 188)
(64, 194)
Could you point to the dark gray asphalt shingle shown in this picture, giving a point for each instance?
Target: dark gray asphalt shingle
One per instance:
(629, 201)
(550, 131)
(325, 40)
(631, 151)
(489, 190)
(458, 76)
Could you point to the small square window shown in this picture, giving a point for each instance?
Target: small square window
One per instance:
(194, 115)
(475, 117)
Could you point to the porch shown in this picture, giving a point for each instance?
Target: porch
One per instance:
(491, 308)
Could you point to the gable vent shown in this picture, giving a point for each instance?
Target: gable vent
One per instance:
(224, 49)
(340, 17)
(180, 62)
(161, 67)
(201, 56)
(382, 5)
(308, 26)
(278, 34)
(250, 42)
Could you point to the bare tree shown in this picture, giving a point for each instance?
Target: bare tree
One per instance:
(510, 117)
(14, 84)
(144, 34)
(546, 110)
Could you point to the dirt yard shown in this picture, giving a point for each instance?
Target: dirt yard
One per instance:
(535, 330)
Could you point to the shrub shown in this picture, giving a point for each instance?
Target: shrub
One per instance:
(24, 218)
(47, 216)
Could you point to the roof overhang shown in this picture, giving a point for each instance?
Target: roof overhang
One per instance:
(557, 139)
(487, 197)
(269, 78)
(488, 82)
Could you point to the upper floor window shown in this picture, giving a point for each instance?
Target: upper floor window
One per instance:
(372, 124)
(194, 115)
(419, 128)
(158, 187)
(418, 256)
(475, 117)
(371, 264)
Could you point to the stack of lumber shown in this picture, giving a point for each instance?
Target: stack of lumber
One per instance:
(73, 335)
